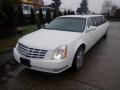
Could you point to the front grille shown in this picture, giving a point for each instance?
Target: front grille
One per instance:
(31, 52)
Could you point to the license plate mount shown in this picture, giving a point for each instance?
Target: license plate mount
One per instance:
(25, 62)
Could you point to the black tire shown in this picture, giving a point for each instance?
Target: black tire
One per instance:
(105, 35)
(78, 59)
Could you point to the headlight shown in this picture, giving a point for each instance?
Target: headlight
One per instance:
(60, 52)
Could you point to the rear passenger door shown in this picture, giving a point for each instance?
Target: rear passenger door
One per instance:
(105, 24)
(99, 27)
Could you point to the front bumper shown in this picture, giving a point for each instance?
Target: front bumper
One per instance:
(51, 66)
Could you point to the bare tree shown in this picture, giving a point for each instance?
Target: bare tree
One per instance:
(114, 9)
(109, 8)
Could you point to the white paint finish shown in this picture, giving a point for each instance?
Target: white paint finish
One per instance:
(48, 39)
(51, 39)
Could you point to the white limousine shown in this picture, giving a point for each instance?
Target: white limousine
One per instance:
(61, 44)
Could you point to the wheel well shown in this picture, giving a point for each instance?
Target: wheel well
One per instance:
(82, 46)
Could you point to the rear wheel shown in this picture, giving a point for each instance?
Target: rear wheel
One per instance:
(78, 59)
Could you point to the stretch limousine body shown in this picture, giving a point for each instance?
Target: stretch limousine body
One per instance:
(61, 44)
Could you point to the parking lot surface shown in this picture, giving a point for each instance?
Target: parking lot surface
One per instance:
(100, 70)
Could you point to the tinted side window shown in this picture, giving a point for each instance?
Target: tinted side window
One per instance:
(90, 22)
(104, 19)
(98, 20)
(101, 20)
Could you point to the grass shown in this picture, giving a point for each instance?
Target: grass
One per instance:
(29, 29)
(10, 42)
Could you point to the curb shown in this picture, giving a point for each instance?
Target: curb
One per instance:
(6, 50)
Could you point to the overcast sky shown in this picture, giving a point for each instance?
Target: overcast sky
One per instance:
(94, 5)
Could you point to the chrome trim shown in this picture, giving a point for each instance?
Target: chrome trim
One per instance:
(31, 52)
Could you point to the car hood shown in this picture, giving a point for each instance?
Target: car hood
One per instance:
(48, 39)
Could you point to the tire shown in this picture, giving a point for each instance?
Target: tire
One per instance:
(78, 60)
(105, 35)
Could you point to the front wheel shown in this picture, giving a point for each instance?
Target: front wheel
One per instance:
(78, 59)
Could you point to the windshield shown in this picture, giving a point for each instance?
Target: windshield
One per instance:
(72, 24)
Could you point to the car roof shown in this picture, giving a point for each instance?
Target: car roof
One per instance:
(81, 16)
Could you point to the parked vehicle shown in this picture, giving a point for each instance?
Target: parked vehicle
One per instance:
(61, 44)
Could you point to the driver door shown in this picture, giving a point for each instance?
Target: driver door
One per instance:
(90, 35)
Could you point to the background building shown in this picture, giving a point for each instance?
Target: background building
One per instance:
(28, 4)
(34, 3)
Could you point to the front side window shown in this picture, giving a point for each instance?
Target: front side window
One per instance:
(72, 24)
(90, 22)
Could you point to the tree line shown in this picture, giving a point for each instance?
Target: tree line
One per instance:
(11, 14)
(111, 10)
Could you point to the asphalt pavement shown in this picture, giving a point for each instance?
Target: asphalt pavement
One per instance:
(100, 70)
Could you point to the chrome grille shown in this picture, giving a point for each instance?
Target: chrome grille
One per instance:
(31, 52)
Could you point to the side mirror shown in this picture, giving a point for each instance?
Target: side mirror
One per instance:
(91, 28)
(45, 24)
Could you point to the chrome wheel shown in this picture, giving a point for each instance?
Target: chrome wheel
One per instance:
(78, 61)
